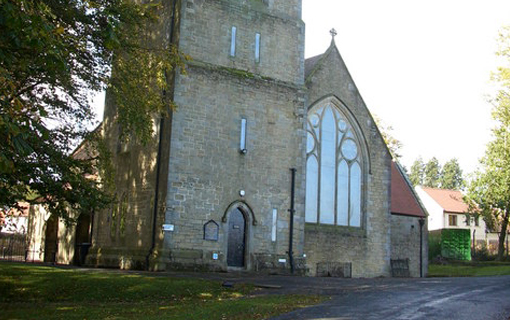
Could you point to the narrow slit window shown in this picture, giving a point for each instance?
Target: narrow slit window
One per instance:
(233, 42)
(274, 226)
(257, 47)
(242, 142)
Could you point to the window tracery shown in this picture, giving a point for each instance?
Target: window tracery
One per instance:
(333, 168)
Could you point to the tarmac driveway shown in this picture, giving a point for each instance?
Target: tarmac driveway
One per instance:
(431, 298)
(473, 298)
(476, 298)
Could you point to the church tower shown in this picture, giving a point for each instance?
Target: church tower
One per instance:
(236, 135)
(258, 131)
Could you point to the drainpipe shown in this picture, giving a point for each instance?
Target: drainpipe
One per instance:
(291, 210)
(422, 222)
(160, 151)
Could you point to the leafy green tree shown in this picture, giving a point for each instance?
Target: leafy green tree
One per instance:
(432, 173)
(489, 191)
(451, 175)
(394, 145)
(53, 56)
(417, 172)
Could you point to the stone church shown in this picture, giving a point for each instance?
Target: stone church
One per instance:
(271, 163)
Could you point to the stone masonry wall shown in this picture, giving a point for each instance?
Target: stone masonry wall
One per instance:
(405, 243)
(122, 234)
(368, 248)
(207, 170)
(206, 35)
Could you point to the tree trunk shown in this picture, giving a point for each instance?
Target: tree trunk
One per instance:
(502, 235)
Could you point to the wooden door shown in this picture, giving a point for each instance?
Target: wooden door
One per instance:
(51, 239)
(82, 239)
(236, 239)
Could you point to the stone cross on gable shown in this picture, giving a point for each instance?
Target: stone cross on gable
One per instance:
(333, 33)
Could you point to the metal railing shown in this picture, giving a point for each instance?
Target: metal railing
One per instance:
(13, 247)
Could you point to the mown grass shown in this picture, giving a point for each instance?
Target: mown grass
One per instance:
(469, 269)
(38, 292)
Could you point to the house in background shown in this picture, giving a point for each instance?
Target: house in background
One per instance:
(14, 220)
(13, 230)
(447, 210)
(52, 239)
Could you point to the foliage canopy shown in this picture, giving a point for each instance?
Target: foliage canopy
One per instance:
(53, 56)
(394, 145)
(417, 172)
(433, 176)
(451, 175)
(489, 191)
(432, 173)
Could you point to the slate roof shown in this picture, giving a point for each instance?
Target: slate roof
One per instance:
(310, 64)
(449, 200)
(403, 199)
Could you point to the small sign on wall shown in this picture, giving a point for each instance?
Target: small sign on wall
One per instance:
(168, 227)
(211, 231)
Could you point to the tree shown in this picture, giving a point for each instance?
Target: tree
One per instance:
(417, 172)
(432, 173)
(53, 56)
(489, 191)
(451, 175)
(394, 145)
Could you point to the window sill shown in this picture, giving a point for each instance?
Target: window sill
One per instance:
(338, 230)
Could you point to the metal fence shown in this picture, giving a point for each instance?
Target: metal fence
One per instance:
(13, 247)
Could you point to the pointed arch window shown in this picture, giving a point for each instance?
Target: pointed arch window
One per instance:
(333, 168)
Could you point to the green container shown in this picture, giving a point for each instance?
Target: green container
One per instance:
(456, 244)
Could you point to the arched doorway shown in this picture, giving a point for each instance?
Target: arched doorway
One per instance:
(236, 239)
(82, 239)
(51, 240)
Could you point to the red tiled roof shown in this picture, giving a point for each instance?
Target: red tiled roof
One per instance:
(449, 200)
(403, 200)
(22, 211)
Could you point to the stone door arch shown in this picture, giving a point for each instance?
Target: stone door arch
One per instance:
(238, 223)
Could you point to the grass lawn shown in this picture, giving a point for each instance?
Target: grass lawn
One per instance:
(469, 269)
(38, 292)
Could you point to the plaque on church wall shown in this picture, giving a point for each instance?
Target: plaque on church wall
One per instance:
(211, 230)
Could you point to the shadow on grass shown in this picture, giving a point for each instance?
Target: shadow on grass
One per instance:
(28, 292)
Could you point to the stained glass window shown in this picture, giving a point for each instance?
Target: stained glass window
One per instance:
(333, 168)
